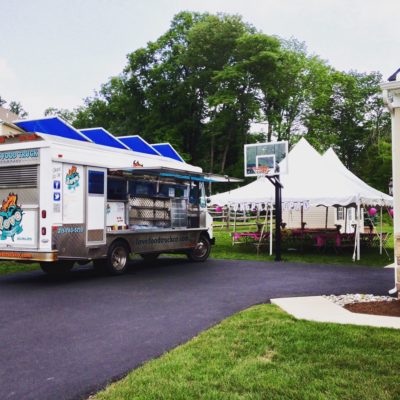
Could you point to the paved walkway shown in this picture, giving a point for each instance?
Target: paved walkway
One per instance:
(66, 339)
(317, 308)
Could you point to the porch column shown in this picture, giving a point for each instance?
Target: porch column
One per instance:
(391, 97)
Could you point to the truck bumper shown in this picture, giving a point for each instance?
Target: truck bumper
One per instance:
(26, 255)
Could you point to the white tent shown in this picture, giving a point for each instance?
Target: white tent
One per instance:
(312, 180)
(371, 196)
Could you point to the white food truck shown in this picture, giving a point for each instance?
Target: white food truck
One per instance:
(79, 195)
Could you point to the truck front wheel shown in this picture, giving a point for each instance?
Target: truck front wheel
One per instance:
(117, 259)
(201, 251)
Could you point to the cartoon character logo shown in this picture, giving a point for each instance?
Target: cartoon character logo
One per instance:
(10, 217)
(72, 178)
(137, 164)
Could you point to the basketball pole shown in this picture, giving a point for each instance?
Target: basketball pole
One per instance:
(278, 215)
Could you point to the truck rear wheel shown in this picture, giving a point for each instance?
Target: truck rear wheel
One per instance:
(202, 250)
(57, 268)
(117, 259)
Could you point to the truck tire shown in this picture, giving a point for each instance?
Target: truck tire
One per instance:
(58, 268)
(117, 258)
(202, 250)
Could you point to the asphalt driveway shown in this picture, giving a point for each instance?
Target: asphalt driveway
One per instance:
(66, 339)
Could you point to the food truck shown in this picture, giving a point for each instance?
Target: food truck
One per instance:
(73, 195)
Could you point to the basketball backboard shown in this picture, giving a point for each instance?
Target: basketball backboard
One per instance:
(265, 159)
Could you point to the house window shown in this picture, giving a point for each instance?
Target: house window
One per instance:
(340, 214)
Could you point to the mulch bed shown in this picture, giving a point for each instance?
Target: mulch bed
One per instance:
(388, 308)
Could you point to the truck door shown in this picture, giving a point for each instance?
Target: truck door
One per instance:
(96, 206)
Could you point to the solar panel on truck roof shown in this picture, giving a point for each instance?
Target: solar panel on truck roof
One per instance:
(103, 137)
(166, 150)
(54, 126)
(136, 143)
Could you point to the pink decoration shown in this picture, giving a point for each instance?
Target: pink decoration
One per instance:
(391, 212)
(372, 211)
(218, 209)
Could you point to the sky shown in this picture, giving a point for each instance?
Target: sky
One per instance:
(54, 53)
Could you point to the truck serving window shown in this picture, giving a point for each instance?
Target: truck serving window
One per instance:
(116, 189)
(142, 188)
(96, 182)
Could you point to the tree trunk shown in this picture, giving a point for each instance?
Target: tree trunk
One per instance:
(226, 149)
(269, 134)
(212, 153)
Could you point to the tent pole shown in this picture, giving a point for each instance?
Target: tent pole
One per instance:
(345, 221)
(228, 218)
(270, 229)
(358, 229)
(301, 223)
(326, 218)
(380, 237)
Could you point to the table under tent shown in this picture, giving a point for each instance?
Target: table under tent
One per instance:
(322, 201)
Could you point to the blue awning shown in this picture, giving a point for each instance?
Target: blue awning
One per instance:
(136, 143)
(174, 173)
(186, 177)
(103, 137)
(54, 126)
(166, 150)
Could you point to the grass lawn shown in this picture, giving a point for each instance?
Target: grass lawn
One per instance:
(224, 249)
(263, 353)
(8, 267)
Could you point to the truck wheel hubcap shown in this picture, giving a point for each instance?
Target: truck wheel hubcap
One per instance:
(118, 258)
(200, 249)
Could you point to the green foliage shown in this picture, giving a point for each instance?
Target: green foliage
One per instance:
(17, 108)
(204, 82)
(14, 106)
(63, 113)
(264, 353)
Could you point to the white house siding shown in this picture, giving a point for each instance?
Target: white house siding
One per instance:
(314, 217)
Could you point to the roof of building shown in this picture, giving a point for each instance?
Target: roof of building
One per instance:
(7, 115)
(6, 118)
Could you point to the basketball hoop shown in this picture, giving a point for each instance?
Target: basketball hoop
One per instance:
(260, 171)
(264, 159)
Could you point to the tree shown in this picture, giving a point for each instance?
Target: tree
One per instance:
(63, 113)
(202, 84)
(193, 87)
(16, 108)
